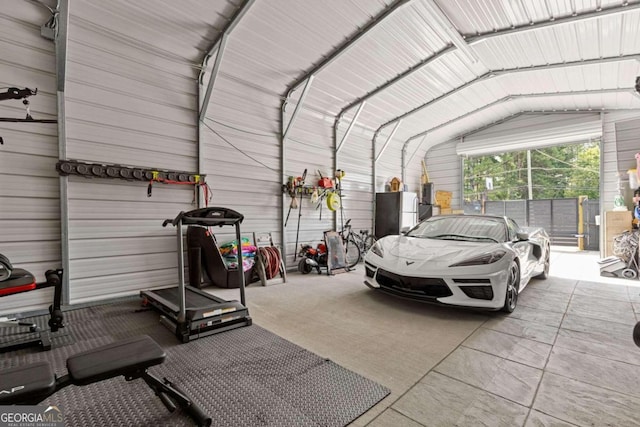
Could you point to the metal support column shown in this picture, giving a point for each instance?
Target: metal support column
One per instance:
(204, 97)
(182, 313)
(373, 179)
(529, 182)
(61, 42)
(283, 179)
(403, 169)
(581, 201)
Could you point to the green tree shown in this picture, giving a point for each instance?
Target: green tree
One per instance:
(585, 179)
(557, 172)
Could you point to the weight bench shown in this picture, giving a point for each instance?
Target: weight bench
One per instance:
(31, 384)
(17, 280)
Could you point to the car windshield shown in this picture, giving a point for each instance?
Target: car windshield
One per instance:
(469, 228)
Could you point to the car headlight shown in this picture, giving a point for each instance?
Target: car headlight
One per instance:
(377, 249)
(488, 258)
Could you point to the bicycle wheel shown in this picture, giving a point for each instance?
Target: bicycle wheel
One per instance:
(352, 253)
(368, 242)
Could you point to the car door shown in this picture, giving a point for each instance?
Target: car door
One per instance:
(522, 250)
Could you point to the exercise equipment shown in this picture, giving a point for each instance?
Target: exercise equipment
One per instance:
(189, 312)
(24, 94)
(31, 384)
(205, 257)
(17, 280)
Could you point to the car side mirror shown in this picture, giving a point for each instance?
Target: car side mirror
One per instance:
(522, 236)
(405, 230)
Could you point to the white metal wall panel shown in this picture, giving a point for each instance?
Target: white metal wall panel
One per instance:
(416, 151)
(610, 158)
(116, 231)
(131, 99)
(444, 168)
(310, 146)
(355, 158)
(244, 178)
(627, 143)
(29, 194)
(389, 164)
(533, 131)
(273, 45)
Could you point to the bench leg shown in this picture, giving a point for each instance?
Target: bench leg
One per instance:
(169, 394)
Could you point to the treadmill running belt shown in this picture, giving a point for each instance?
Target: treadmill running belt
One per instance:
(192, 299)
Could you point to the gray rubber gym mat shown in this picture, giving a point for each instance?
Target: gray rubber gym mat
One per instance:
(244, 377)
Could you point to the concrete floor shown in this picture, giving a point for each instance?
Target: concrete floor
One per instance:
(564, 357)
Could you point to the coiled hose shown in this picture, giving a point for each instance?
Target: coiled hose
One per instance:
(271, 257)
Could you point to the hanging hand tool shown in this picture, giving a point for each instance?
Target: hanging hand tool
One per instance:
(290, 188)
(301, 182)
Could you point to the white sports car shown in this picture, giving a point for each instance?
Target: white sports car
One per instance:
(479, 261)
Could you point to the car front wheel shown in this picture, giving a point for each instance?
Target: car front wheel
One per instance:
(513, 282)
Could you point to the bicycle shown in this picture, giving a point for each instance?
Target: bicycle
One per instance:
(351, 248)
(364, 240)
(355, 245)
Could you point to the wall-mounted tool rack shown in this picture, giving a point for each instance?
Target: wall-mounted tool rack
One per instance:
(100, 170)
(128, 173)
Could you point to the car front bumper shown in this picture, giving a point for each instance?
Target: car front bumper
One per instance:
(464, 286)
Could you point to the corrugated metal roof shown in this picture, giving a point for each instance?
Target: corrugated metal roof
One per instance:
(569, 39)
(396, 67)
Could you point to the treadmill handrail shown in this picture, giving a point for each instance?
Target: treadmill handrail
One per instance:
(207, 217)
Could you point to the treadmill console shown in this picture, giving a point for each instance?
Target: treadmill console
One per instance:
(207, 217)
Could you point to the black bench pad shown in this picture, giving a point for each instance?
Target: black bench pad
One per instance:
(129, 357)
(27, 383)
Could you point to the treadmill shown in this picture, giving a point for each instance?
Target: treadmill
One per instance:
(189, 312)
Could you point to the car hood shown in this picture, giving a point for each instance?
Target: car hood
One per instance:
(436, 253)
